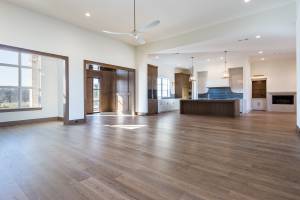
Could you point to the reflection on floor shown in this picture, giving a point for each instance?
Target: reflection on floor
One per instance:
(169, 156)
(129, 127)
(110, 114)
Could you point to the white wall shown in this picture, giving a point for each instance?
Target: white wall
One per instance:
(298, 63)
(52, 98)
(280, 73)
(23, 28)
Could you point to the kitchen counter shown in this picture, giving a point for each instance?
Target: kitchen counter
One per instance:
(212, 107)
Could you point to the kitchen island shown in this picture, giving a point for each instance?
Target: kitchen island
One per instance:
(212, 107)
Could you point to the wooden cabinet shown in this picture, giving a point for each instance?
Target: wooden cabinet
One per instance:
(166, 105)
(152, 89)
(183, 86)
(152, 106)
(259, 89)
(125, 91)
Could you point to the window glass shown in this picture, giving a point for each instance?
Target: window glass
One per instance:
(9, 57)
(96, 67)
(159, 87)
(96, 84)
(163, 87)
(20, 82)
(30, 98)
(30, 60)
(26, 77)
(9, 76)
(9, 98)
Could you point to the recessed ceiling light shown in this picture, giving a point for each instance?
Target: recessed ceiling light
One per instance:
(262, 59)
(247, 1)
(87, 14)
(260, 52)
(258, 36)
(222, 58)
(208, 60)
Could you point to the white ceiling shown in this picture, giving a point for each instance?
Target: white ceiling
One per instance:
(176, 16)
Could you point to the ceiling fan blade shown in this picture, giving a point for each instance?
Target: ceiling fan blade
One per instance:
(116, 33)
(140, 40)
(148, 26)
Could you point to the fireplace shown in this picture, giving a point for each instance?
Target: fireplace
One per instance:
(283, 99)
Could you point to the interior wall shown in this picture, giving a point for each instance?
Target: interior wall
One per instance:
(52, 94)
(280, 73)
(236, 79)
(202, 82)
(26, 29)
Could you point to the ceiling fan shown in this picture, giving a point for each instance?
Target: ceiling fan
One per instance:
(136, 33)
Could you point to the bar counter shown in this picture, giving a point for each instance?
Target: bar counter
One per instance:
(211, 107)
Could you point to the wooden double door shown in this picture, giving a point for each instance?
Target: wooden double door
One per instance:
(110, 90)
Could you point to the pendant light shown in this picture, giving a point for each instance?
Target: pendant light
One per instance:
(226, 72)
(192, 77)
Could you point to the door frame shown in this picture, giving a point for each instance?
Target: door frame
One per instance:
(110, 66)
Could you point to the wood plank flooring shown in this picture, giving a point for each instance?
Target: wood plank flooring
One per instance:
(164, 157)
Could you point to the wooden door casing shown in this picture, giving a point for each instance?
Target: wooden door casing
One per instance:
(89, 96)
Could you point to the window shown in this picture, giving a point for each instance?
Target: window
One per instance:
(20, 80)
(93, 67)
(163, 87)
(96, 94)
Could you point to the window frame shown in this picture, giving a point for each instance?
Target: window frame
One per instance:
(19, 67)
(161, 91)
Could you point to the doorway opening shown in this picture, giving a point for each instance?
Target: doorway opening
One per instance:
(109, 89)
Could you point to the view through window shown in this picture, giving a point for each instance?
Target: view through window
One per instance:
(20, 80)
(96, 94)
(163, 87)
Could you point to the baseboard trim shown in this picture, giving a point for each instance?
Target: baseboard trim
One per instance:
(141, 114)
(76, 122)
(30, 121)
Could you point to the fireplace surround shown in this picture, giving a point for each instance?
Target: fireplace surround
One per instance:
(282, 101)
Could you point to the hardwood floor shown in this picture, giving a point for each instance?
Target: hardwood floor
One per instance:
(169, 156)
